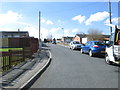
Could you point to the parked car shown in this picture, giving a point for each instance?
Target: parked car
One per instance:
(93, 47)
(54, 41)
(112, 55)
(75, 45)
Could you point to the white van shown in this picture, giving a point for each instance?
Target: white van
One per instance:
(113, 48)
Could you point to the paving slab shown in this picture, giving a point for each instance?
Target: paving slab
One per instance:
(22, 75)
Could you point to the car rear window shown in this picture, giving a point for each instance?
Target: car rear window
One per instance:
(76, 42)
(99, 43)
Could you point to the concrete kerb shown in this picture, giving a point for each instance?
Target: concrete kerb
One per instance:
(63, 45)
(37, 75)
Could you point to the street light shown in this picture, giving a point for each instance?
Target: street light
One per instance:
(39, 30)
(63, 33)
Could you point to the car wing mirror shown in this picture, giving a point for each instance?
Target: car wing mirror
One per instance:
(107, 44)
(83, 44)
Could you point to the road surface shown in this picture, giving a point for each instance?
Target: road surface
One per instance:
(71, 69)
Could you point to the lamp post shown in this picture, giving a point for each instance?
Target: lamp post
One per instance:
(109, 6)
(63, 34)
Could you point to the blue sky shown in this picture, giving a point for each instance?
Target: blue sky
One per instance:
(74, 17)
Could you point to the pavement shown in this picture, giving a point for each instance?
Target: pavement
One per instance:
(25, 74)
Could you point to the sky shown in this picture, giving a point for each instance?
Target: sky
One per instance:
(57, 18)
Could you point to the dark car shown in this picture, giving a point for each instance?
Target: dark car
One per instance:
(54, 41)
(93, 47)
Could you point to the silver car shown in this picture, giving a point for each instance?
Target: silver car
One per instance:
(75, 45)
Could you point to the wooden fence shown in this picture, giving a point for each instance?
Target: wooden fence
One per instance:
(13, 58)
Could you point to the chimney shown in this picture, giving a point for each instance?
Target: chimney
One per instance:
(18, 30)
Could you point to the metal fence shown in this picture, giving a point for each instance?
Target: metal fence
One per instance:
(14, 57)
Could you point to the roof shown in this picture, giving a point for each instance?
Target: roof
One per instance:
(85, 35)
(67, 37)
(13, 31)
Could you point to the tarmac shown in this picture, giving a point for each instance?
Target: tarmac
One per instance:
(24, 75)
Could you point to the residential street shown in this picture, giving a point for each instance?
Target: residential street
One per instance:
(71, 69)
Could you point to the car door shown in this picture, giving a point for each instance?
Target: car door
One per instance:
(88, 46)
(85, 47)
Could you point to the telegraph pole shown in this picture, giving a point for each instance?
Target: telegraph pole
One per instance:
(109, 6)
(39, 30)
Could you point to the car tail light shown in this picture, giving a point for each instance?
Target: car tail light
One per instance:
(96, 46)
(118, 42)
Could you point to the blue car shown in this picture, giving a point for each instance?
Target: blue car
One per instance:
(93, 47)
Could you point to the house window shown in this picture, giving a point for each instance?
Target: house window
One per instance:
(5, 35)
(12, 35)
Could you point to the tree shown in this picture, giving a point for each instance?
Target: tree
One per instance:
(95, 34)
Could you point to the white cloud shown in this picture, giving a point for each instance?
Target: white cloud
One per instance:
(99, 16)
(35, 32)
(42, 20)
(79, 18)
(75, 30)
(7, 29)
(46, 21)
(49, 22)
(111, 25)
(66, 32)
(115, 20)
(59, 21)
(54, 30)
(58, 35)
(44, 32)
(9, 17)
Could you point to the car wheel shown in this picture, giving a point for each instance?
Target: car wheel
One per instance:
(81, 50)
(90, 53)
(107, 59)
(72, 48)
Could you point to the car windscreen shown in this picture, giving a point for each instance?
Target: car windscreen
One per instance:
(119, 36)
(99, 43)
(76, 42)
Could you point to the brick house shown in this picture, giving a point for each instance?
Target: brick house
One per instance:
(83, 38)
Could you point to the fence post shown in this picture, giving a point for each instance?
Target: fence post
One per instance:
(31, 52)
(10, 58)
(23, 54)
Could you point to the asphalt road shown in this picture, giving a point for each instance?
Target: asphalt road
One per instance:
(71, 69)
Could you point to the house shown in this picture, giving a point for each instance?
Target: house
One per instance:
(58, 40)
(67, 39)
(18, 39)
(83, 38)
(9, 34)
